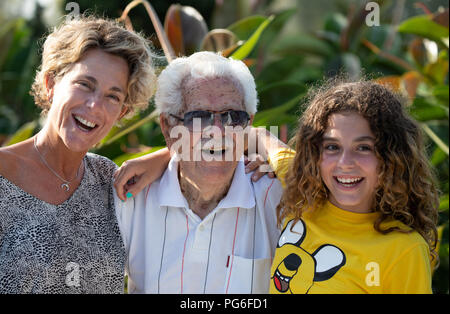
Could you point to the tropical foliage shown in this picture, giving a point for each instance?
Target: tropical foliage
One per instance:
(411, 55)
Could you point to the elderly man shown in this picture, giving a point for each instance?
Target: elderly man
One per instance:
(204, 226)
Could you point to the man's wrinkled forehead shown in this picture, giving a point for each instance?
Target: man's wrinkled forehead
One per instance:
(211, 87)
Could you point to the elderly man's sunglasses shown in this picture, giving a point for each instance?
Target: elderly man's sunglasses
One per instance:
(228, 118)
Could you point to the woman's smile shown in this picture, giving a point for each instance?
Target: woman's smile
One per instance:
(88, 100)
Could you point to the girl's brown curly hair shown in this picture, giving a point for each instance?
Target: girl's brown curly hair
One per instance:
(407, 190)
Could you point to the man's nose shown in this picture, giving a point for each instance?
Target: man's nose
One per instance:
(217, 122)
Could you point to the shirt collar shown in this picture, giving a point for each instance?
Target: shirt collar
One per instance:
(240, 193)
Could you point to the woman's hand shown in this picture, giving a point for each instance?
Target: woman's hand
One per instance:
(135, 174)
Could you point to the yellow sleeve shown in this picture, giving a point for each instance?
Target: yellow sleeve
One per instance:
(280, 161)
(411, 274)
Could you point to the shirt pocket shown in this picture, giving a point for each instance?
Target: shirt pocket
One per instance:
(246, 275)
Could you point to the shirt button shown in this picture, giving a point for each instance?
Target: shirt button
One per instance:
(201, 228)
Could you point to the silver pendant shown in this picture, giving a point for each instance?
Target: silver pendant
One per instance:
(65, 186)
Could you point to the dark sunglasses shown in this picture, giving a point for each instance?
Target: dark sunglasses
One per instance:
(228, 118)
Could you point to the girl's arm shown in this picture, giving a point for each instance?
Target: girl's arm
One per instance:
(269, 150)
(135, 174)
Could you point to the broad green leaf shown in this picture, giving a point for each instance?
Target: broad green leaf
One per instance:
(248, 46)
(438, 157)
(278, 115)
(423, 110)
(274, 94)
(423, 26)
(295, 45)
(440, 92)
(437, 71)
(272, 33)
(279, 70)
(444, 203)
(336, 23)
(122, 158)
(23, 133)
(244, 28)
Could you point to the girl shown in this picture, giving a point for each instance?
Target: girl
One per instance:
(360, 205)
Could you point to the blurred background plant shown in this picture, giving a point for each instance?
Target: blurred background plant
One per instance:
(288, 45)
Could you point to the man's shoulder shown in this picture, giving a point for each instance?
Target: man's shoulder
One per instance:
(268, 190)
(265, 183)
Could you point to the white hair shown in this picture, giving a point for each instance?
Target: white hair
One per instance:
(201, 65)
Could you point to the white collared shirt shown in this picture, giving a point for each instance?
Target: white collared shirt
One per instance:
(172, 250)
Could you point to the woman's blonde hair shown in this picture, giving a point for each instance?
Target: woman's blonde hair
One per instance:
(68, 43)
(407, 191)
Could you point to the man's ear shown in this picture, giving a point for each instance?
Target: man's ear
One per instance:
(165, 128)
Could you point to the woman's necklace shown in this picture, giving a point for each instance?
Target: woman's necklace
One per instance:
(65, 186)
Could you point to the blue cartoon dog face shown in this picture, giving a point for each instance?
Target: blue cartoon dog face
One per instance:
(298, 269)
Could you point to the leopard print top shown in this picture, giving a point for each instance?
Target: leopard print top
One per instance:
(74, 247)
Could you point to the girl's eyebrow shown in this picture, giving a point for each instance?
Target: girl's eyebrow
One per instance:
(359, 139)
(365, 138)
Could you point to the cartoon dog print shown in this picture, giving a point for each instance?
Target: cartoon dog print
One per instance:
(297, 269)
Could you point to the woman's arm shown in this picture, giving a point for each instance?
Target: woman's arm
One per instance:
(135, 174)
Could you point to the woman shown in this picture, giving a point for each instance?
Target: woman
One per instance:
(58, 229)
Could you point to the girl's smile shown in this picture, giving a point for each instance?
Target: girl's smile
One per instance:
(348, 163)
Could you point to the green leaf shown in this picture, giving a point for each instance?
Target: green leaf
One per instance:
(438, 157)
(127, 129)
(444, 203)
(440, 92)
(122, 158)
(278, 115)
(248, 46)
(423, 26)
(275, 94)
(335, 23)
(279, 70)
(440, 143)
(244, 28)
(423, 110)
(25, 132)
(295, 45)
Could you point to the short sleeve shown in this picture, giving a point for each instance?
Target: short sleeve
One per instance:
(280, 161)
(411, 273)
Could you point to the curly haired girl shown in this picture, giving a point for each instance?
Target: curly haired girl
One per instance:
(360, 205)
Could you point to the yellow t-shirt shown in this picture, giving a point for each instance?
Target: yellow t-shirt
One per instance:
(332, 250)
(280, 161)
